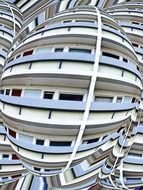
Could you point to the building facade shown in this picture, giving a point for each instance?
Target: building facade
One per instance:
(71, 94)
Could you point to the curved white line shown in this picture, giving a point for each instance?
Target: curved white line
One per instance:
(90, 93)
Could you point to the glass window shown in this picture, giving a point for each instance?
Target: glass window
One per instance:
(93, 140)
(58, 49)
(30, 52)
(37, 169)
(15, 176)
(135, 45)
(48, 95)
(14, 157)
(134, 154)
(5, 156)
(103, 99)
(60, 143)
(110, 55)
(43, 50)
(39, 142)
(125, 60)
(16, 92)
(119, 99)
(79, 50)
(127, 99)
(7, 92)
(2, 91)
(12, 133)
(31, 93)
(71, 97)
(25, 138)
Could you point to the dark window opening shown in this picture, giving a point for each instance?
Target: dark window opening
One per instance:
(4, 178)
(39, 142)
(12, 133)
(135, 23)
(5, 156)
(16, 92)
(58, 49)
(71, 97)
(14, 157)
(60, 143)
(110, 55)
(2, 91)
(48, 95)
(66, 21)
(79, 50)
(125, 60)
(7, 92)
(18, 56)
(133, 100)
(135, 45)
(93, 140)
(28, 53)
(37, 169)
(15, 176)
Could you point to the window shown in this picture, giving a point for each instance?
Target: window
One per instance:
(60, 143)
(4, 178)
(79, 50)
(66, 21)
(110, 55)
(28, 53)
(37, 169)
(135, 154)
(119, 99)
(93, 140)
(135, 23)
(58, 49)
(32, 93)
(12, 133)
(48, 95)
(18, 56)
(135, 45)
(39, 142)
(2, 91)
(71, 97)
(16, 92)
(89, 21)
(7, 92)
(16, 176)
(5, 156)
(43, 50)
(103, 99)
(125, 60)
(14, 157)
(133, 100)
(127, 99)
